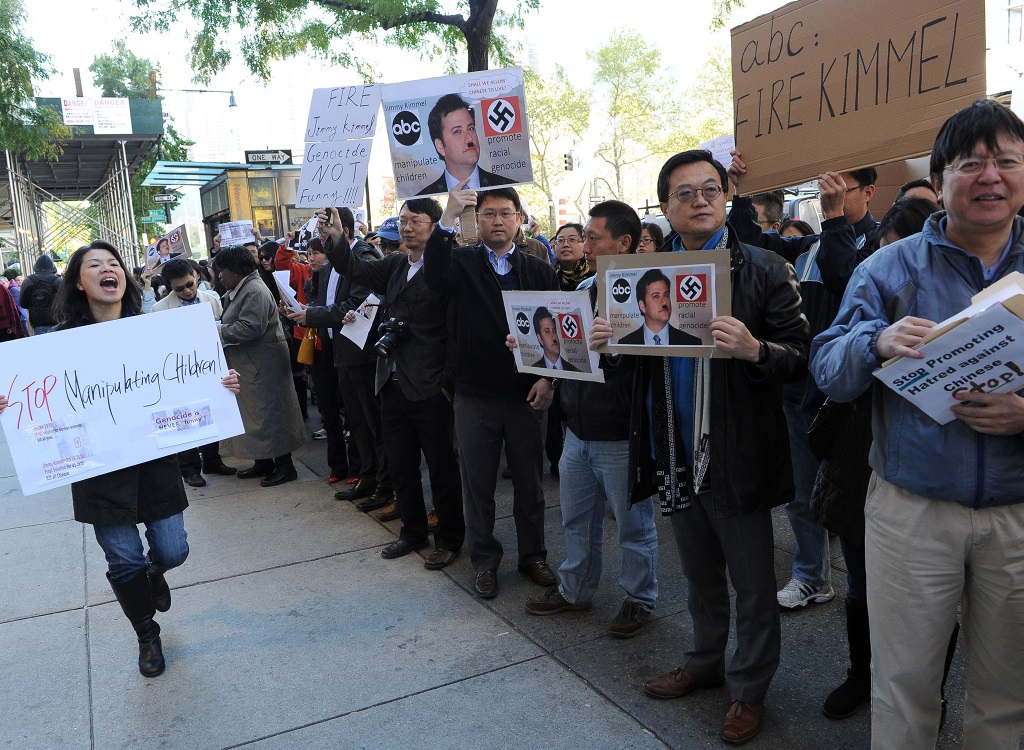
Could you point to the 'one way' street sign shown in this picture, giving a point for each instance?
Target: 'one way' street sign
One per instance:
(271, 156)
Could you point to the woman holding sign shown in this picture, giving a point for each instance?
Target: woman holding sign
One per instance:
(98, 287)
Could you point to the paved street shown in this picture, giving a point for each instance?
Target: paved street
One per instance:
(288, 630)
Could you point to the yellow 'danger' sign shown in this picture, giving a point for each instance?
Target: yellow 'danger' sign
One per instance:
(824, 85)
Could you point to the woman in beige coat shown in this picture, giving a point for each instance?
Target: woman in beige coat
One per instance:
(255, 346)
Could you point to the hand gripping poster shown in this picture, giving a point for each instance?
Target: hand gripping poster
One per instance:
(444, 131)
(551, 331)
(662, 303)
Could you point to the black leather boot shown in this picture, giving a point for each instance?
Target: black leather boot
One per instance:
(284, 471)
(263, 467)
(844, 701)
(136, 600)
(158, 586)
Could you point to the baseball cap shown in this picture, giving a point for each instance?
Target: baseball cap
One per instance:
(388, 229)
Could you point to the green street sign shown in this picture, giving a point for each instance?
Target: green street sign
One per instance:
(151, 220)
(156, 214)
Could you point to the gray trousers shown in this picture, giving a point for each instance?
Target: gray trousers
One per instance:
(482, 425)
(744, 547)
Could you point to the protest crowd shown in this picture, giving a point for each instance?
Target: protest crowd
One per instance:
(930, 516)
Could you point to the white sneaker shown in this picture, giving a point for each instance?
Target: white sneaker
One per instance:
(798, 594)
(320, 434)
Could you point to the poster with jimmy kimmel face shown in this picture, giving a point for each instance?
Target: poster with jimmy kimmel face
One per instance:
(551, 331)
(662, 304)
(445, 131)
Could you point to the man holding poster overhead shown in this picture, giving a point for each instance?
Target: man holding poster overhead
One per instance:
(718, 451)
(494, 404)
(944, 515)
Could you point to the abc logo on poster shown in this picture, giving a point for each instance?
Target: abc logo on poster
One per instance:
(405, 128)
(523, 323)
(621, 290)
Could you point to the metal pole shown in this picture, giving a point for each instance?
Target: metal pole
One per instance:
(131, 205)
(15, 209)
(35, 211)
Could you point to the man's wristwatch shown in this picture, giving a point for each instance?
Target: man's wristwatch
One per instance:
(762, 354)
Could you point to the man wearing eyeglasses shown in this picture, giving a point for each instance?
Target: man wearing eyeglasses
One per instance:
(494, 404)
(184, 285)
(944, 514)
(415, 382)
(714, 442)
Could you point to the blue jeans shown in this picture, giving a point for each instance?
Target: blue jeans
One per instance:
(592, 472)
(811, 562)
(122, 546)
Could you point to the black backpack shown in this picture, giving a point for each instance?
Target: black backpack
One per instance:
(40, 307)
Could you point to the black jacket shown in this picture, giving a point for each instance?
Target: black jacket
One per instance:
(750, 462)
(425, 358)
(484, 365)
(349, 296)
(838, 254)
(45, 276)
(600, 411)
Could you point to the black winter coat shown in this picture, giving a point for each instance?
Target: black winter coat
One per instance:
(750, 467)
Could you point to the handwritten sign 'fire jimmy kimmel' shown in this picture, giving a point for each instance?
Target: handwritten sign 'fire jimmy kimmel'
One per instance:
(80, 404)
(832, 85)
(339, 134)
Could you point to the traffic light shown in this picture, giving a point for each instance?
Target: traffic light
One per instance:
(569, 162)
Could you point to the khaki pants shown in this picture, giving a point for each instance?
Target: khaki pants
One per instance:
(922, 557)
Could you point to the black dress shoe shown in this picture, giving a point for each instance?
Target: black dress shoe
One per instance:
(439, 558)
(378, 499)
(264, 467)
(362, 488)
(221, 470)
(280, 476)
(539, 573)
(401, 548)
(195, 480)
(486, 584)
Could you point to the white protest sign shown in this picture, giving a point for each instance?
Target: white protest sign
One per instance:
(551, 330)
(984, 354)
(333, 174)
(74, 415)
(342, 113)
(283, 279)
(359, 330)
(721, 148)
(236, 233)
(480, 116)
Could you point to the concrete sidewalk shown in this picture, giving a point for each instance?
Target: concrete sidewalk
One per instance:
(288, 630)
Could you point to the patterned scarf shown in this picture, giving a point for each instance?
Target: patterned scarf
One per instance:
(672, 473)
(569, 279)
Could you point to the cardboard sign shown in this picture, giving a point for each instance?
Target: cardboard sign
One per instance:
(333, 174)
(670, 295)
(484, 132)
(342, 113)
(73, 414)
(824, 85)
(553, 328)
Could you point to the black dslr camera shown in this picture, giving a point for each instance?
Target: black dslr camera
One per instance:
(391, 331)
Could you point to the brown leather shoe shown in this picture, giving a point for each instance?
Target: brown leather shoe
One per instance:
(677, 684)
(742, 722)
(432, 521)
(539, 573)
(389, 513)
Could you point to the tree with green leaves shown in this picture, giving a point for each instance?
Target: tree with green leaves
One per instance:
(123, 74)
(559, 115)
(25, 129)
(707, 105)
(640, 114)
(721, 10)
(279, 29)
